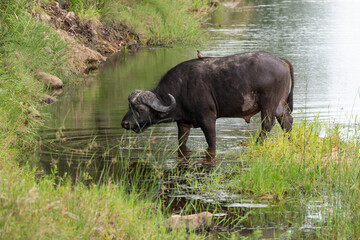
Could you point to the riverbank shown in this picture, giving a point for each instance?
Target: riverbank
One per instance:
(70, 43)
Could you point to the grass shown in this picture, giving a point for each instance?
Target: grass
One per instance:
(44, 209)
(305, 161)
(23, 45)
(316, 160)
(156, 21)
(319, 160)
(30, 44)
(51, 207)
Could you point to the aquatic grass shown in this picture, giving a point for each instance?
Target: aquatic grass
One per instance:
(52, 206)
(310, 163)
(147, 174)
(67, 211)
(274, 165)
(57, 207)
(315, 160)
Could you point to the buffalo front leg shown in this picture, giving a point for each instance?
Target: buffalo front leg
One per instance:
(183, 136)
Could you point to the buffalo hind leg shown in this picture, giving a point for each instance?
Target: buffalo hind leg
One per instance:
(183, 136)
(285, 121)
(283, 116)
(208, 128)
(267, 122)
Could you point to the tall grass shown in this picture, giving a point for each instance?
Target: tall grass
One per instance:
(87, 9)
(28, 43)
(19, 115)
(156, 21)
(33, 209)
(315, 160)
(50, 207)
(306, 160)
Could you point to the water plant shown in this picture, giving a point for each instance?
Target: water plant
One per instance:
(317, 160)
(34, 206)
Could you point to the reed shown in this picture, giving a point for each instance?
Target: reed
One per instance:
(124, 204)
(316, 160)
(36, 206)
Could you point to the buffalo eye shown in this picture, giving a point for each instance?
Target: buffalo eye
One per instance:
(141, 109)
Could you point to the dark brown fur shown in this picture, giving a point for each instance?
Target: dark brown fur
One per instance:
(234, 86)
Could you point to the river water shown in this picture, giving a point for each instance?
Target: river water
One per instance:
(320, 37)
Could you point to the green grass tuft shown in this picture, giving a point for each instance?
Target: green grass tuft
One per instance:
(156, 21)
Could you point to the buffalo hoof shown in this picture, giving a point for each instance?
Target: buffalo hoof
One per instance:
(210, 153)
(183, 151)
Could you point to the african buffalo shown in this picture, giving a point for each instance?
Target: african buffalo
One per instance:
(197, 92)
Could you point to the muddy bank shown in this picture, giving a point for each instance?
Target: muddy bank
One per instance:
(105, 38)
(91, 41)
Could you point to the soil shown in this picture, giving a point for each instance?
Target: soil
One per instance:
(89, 36)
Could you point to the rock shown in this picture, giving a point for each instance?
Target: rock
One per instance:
(57, 91)
(133, 44)
(83, 58)
(50, 80)
(48, 99)
(63, 4)
(233, 4)
(70, 15)
(193, 222)
(43, 16)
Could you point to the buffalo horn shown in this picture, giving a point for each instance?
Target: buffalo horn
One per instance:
(150, 99)
(158, 106)
(133, 96)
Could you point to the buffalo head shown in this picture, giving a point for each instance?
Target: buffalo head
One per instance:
(145, 109)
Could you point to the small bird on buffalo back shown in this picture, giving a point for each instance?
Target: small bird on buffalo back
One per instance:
(199, 55)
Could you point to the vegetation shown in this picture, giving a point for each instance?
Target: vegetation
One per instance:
(48, 207)
(308, 165)
(313, 161)
(43, 209)
(156, 21)
(23, 44)
(316, 161)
